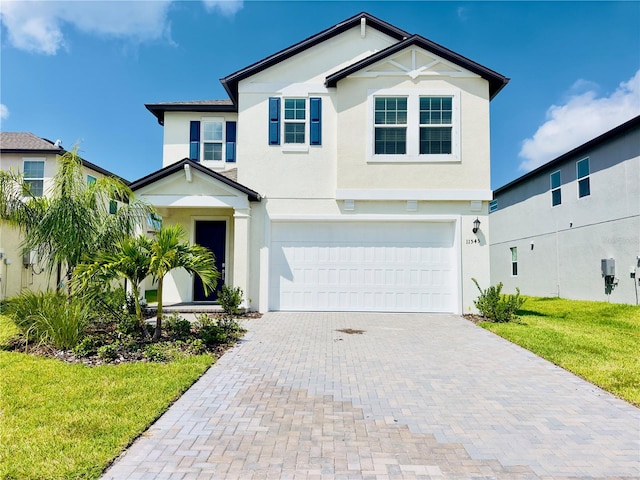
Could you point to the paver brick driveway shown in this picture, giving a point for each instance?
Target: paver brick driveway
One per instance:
(414, 396)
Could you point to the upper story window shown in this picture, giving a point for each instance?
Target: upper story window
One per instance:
(414, 126)
(33, 172)
(91, 179)
(301, 119)
(436, 124)
(493, 206)
(212, 140)
(295, 120)
(390, 119)
(584, 187)
(556, 193)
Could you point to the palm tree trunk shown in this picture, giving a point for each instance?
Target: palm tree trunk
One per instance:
(158, 332)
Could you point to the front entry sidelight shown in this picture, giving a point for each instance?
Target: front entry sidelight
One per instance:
(211, 234)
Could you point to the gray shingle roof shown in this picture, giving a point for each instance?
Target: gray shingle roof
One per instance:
(24, 141)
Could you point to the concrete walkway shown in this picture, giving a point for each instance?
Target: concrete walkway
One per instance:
(415, 396)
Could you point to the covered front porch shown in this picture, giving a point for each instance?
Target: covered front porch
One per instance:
(215, 210)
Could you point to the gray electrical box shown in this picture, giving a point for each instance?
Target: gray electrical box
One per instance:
(608, 266)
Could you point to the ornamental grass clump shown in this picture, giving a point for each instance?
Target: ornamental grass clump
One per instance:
(495, 306)
(48, 318)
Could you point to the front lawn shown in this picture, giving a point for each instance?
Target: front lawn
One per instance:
(60, 420)
(595, 340)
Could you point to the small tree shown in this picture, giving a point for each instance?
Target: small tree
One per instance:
(169, 250)
(73, 220)
(130, 259)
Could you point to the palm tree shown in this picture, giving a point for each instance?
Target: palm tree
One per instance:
(74, 219)
(130, 259)
(169, 250)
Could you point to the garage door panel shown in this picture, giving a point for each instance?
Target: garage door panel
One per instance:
(367, 266)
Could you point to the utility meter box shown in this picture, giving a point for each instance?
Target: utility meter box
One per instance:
(608, 266)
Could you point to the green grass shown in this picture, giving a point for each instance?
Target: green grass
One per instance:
(59, 420)
(597, 341)
(7, 330)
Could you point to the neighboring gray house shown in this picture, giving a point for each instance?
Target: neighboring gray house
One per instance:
(551, 228)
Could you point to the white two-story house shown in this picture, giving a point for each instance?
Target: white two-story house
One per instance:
(344, 172)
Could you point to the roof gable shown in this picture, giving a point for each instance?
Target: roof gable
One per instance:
(230, 82)
(416, 66)
(166, 172)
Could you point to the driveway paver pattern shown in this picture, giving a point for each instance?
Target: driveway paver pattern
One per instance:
(414, 396)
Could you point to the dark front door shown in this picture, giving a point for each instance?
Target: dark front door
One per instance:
(211, 234)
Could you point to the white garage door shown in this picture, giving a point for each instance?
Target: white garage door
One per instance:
(363, 266)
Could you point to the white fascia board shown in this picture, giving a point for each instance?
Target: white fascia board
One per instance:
(194, 201)
(368, 217)
(397, 194)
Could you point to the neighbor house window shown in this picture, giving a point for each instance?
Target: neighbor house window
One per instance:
(436, 124)
(212, 140)
(91, 179)
(113, 207)
(514, 261)
(390, 119)
(584, 187)
(33, 173)
(493, 206)
(295, 120)
(556, 193)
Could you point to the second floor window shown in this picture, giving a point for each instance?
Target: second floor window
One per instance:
(212, 140)
(436, 123)
(584, 186)
(295, 120)
(390, 119)
(34, 176)
(556, 193)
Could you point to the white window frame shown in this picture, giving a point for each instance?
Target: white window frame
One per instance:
(43, 161)
(553, 189)
(203, 141)
(586, 177)
(413, 126)
(295, 146)
(514, 263)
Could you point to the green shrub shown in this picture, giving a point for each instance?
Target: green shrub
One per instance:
(177, 327)
(230, 299)
(88, 346)
(108, 352)
(495, 306)
(128, 324)
(49, 318)
(209, 331)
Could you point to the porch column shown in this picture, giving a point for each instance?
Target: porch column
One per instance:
(242, 220)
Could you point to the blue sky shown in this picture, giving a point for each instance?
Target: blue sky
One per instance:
(81, 71)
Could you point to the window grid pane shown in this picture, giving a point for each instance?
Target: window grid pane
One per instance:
(33, 169)
(436, 111)
(435, 140)
(212, 151)
(212, 131)
(390, 111)
(584, 188)
(294, 109)
(36, 187)
(556, 197)
(583, 168)
(391, 141)
(555, 180)
(294, 133)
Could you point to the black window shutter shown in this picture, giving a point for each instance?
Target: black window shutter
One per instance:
(194, 141)
(315, 127)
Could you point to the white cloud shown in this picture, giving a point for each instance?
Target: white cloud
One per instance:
(39, 26)
(4, 111)
(226, 7)
(584, 116)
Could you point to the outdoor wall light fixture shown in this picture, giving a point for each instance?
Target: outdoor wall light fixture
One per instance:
(476, 225)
